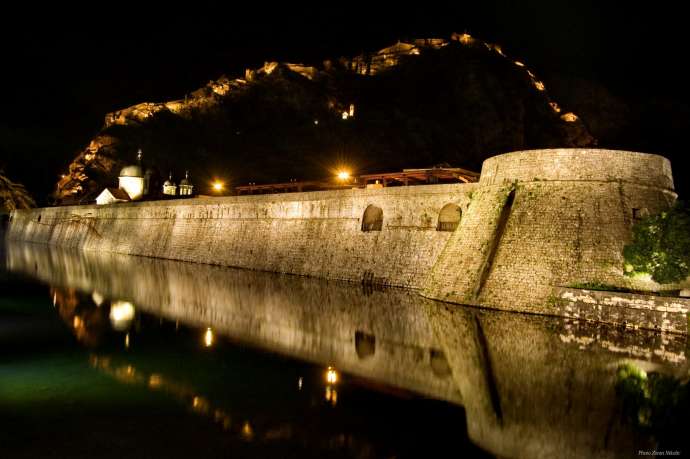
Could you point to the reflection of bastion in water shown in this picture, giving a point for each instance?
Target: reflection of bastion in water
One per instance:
(531, 386)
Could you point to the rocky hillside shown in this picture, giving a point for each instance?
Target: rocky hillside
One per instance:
(413, 104)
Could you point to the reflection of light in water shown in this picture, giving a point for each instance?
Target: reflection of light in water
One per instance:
(76, 322)
(331, 395)
(155, 381)
(332, 379)
(121, 315)
(127, 341)
(299, 383)
(247, 431)
(54, 298)
(208, 337)
(203, 406)
(331, 376)
(97, 298)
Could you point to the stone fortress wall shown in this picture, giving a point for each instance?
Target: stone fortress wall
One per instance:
(312, 234)
(546, 218)
(537, 220)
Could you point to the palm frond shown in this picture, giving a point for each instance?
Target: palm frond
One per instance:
(14, 195)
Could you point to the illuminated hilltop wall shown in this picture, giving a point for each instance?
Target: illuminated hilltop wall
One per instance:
(537, 221)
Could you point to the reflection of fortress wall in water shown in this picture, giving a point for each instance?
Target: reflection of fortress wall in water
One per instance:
(531, 386)
(535, 221)
(528, 392)
(381, 335)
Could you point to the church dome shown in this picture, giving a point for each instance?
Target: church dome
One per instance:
(169, 183)
(131, 171)
(185, 181)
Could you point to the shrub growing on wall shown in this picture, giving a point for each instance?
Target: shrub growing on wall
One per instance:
(661, 246)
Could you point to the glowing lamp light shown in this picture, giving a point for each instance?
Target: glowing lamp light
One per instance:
(331, 376)
(208, 337)
(218, 186)
(343, 175)
(121, 315)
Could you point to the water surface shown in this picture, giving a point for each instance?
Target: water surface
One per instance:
(107, 355)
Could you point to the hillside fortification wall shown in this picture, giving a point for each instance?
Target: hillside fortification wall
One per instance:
(536, 222)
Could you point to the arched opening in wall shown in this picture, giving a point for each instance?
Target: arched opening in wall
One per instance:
(39, 218)
(439, 364)
(449, 217)
(372, 220)
(365, 345)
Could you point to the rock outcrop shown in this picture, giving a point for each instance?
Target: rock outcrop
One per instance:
(412, 104)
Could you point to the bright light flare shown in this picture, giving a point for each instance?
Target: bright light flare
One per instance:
(331, 376)
(208, 337)
(218, 186)
(343, 175)
(121, 315)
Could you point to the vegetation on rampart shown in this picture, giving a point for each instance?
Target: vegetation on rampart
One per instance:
(661, 246)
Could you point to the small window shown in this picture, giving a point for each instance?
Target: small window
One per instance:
(39, 218)
(449, 218)
(372, 220)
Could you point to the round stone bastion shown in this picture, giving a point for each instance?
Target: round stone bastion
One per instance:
(547, 219)
(578, 164)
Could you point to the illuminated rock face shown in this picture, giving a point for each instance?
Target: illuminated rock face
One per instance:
(425, 102)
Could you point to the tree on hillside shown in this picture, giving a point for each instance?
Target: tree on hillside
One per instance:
(661, 246)
(13, 195)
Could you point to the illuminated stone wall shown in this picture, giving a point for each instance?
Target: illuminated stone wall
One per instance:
(314, 234)
(571, 215)
(537, 220)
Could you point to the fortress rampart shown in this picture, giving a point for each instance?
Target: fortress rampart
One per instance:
(536, 221)
(546, 218)
(313, 234)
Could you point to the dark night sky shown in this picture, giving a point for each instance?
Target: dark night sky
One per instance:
(63, 71)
